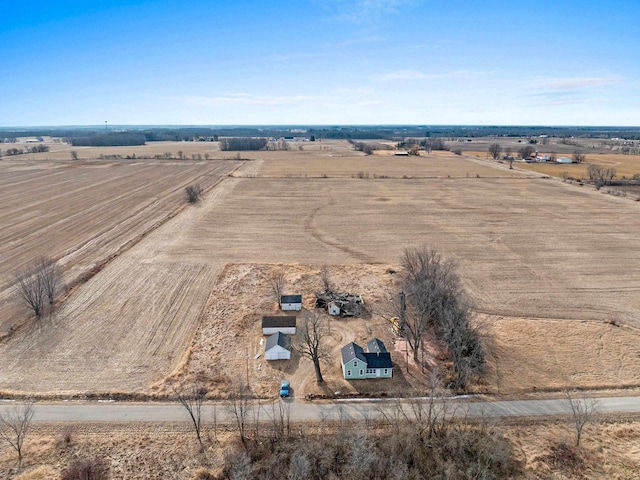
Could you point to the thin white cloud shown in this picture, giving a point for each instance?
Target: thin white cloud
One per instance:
(574, 83)
(399, 75)
(364, 11)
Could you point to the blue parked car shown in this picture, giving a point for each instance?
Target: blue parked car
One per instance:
(284, 388)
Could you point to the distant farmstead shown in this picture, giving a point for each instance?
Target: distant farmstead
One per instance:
(282, 324)
(358, 364)
(291, 302)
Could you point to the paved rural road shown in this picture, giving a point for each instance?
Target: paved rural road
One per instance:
(306, 411)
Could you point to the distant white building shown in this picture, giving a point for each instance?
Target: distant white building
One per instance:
(563, 160)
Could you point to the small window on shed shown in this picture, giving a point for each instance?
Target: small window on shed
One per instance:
(386, 371)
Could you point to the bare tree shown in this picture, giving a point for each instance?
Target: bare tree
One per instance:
(326, 279)
(14, 426)
(191, 398)
(193, 193)
(277, 282)
(312, 333)
(31, 290)
(431, 297)
(494, 150)
(238, 407)
(429, 285)
(578, 156)
(50, 276)
(583, 410)
(526, 151)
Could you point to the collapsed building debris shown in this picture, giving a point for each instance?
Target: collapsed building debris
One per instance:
(340, 303)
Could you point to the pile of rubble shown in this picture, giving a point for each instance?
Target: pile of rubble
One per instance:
(340, 303)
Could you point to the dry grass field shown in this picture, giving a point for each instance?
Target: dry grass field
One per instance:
(160, 451)
(537, 252)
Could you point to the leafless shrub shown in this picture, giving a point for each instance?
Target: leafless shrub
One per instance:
(277, 283)
(325, 276)
(583, 410)
(14, 426)
(238, 407)
(193, 193)
(191, 398)
(95, 468)
(31, 291)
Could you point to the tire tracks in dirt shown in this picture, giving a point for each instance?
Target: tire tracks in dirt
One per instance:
(312, 229)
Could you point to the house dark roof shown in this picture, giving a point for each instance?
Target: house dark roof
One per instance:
(279, 321)
(378, 360)
(376, 346)
(278, 338)
(291, 299)
(352, 351)
(377, 357)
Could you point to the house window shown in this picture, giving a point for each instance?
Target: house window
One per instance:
(348, 373)
(371, 371)
(355, 364)
(386, 371)
(361, 372)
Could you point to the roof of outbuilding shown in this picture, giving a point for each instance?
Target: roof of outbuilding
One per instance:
(376, 346)
(279, 321)
(280, 339)
(291, 299)
(352, 351)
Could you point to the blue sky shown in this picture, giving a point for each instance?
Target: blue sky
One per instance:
(320, 62)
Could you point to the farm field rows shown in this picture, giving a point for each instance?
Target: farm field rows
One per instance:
(82, 213)
(527, 248)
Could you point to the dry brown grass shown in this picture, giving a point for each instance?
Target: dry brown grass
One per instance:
(158, 451)
(232, 323)
(529, 354)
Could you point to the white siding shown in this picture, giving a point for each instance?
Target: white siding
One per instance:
(285, 330)
(292, 306)
(277, 353)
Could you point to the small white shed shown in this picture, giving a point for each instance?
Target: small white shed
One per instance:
(333, 309)
(291, 302)
(563, 160)
(282, 324)
(278, 347)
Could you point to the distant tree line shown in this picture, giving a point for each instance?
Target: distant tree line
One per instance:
(243, 143)
(19, 151)
(116, 139)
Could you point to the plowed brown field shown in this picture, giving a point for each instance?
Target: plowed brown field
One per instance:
(527, 248)
(82, 213)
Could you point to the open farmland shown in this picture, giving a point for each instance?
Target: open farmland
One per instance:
(82, 213)
(383, 164)
(527, 248)
(625, 165)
